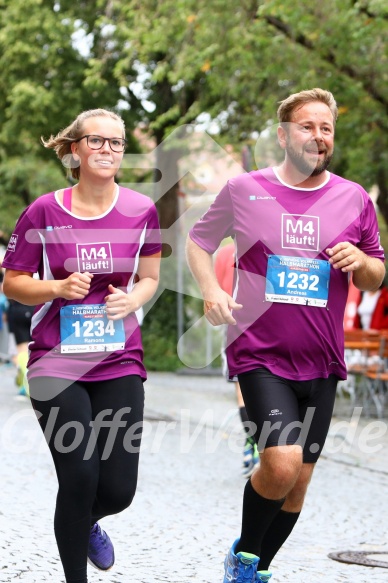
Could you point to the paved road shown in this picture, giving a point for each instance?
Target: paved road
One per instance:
(187, 510)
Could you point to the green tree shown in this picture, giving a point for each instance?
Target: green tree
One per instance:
(235, 62)
(341, 46)
(166, 63)
(45, 81)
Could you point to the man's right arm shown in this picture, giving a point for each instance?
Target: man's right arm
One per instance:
(217, 303)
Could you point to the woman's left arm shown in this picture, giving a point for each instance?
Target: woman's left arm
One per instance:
(119, 303)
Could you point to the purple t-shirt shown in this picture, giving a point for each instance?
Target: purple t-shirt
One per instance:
(50, 240)
(293, 301)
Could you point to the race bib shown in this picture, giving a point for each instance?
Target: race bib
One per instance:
(86, 328)
(297, 280)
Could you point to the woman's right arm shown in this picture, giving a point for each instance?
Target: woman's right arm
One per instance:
(24, 288)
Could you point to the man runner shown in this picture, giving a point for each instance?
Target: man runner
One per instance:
(300, 232)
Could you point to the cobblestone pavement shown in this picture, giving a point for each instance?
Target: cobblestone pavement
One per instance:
(187, 509)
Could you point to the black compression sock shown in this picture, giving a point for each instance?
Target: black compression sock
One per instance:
(276, 535)
(258, 514)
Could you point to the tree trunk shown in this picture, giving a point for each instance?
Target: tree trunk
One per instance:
(382, 199)
(166, 190)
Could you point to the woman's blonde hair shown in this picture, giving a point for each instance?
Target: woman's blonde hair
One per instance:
(297, 100)
(61, 143)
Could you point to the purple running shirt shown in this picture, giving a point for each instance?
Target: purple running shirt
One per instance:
(50, 240)
(293, 301)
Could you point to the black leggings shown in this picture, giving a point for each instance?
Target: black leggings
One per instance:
(94, 432)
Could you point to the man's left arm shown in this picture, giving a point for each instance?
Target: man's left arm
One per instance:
(368, 272)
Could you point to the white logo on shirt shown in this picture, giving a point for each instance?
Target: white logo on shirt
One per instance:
(254, 197)
(95, 257)
(301, 233)
(12, 242)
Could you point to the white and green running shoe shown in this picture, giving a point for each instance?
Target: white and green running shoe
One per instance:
(263, 576)
(240, 568)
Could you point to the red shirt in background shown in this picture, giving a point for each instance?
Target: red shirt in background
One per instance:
(224, 267)
(351, 317)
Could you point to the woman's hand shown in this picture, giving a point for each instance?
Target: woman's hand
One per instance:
(119, 303)
(75, 287)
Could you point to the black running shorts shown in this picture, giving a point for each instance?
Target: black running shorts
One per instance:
(286, 412)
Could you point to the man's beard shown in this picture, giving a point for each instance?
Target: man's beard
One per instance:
(303, 165)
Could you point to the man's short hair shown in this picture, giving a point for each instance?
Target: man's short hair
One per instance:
(297, 100)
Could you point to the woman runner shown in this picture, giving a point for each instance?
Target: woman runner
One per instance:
(96, 248)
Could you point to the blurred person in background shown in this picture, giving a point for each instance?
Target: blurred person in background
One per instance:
(372, 309)
(4, 334)
(366, 310)
(19, 318)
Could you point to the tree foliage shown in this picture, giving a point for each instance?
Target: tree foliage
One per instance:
(236, 61)
(45, 81)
